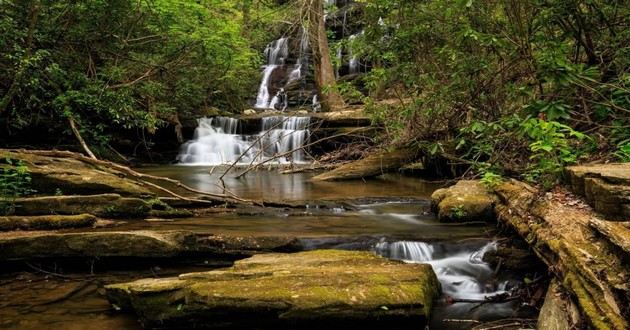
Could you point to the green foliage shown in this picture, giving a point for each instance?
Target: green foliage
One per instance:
(491, 180)
(125, 64)
(458, 212)
(15, 181)
(519, 81)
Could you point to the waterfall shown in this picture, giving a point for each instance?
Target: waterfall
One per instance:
(462, 274)
(353, 66)
(217, 141)
(275, 53)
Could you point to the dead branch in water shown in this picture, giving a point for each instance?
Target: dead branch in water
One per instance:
(284, 154)
(143, 178)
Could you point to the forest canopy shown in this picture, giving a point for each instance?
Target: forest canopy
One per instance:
(508, 86)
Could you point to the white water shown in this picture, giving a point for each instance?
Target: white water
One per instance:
(275, 53)
(463, 274)
(217, 141)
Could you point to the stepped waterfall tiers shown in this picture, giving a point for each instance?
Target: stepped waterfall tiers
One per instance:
(219, 141)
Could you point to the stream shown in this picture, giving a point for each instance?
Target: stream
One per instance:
(389, 215)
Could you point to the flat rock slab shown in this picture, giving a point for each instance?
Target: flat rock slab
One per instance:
(302, 290)
(46, 222)
(468, 200)
(605, 187)
(52, 174)
(136, 244)
(105, 205)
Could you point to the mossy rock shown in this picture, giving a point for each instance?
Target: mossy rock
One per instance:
(301, 290)
(105, 205)
(146, 244)
(468, 200)
(46, 222)
(51, 175)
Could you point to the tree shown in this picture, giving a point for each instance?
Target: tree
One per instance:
(313, 19)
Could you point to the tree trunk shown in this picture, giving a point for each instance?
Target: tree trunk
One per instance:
(324, 72)
(77, 134)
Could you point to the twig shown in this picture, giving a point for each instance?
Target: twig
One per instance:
(294, 150)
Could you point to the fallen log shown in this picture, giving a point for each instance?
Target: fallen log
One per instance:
(588, 266)
(373, 165)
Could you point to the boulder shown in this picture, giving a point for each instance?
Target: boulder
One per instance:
(558, 311)
(303, 290)
(606, 187)
(46, 222)
(468, 200)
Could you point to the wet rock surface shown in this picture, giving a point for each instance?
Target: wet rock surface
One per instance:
(468, 200)
(303, 290)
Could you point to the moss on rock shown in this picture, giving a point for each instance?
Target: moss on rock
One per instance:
(305, 289)
(46, 222)
(467, 200)
(105, 205)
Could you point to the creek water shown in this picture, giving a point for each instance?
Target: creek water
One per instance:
(389, 215)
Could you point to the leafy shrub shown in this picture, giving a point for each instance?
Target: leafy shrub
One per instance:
(15, 181)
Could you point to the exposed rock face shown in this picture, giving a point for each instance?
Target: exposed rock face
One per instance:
(373, 165)
(605, 187)
(592, 269)
(51, 175)
(46, 222)
(302, 290)
(467, 200)
(558, 312)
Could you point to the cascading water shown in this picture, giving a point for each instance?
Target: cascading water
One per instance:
(217, 141)
(463, 274)
(275, 53)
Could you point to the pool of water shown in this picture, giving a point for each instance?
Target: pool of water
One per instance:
(389, 215)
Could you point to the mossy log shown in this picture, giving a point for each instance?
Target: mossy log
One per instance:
(589, 267)
(373, 165)
(46, 222)
(559, 312)
(302, 290)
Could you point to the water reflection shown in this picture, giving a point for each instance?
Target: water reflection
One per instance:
(273, 185)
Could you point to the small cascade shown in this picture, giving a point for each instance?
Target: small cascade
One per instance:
(217, 141)
(275, 53)
(412, 251)
(463, 274)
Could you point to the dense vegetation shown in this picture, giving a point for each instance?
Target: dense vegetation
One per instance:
(511, 87)
(125, 64)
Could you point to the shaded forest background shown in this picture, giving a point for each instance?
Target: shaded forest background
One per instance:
(510, 87)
